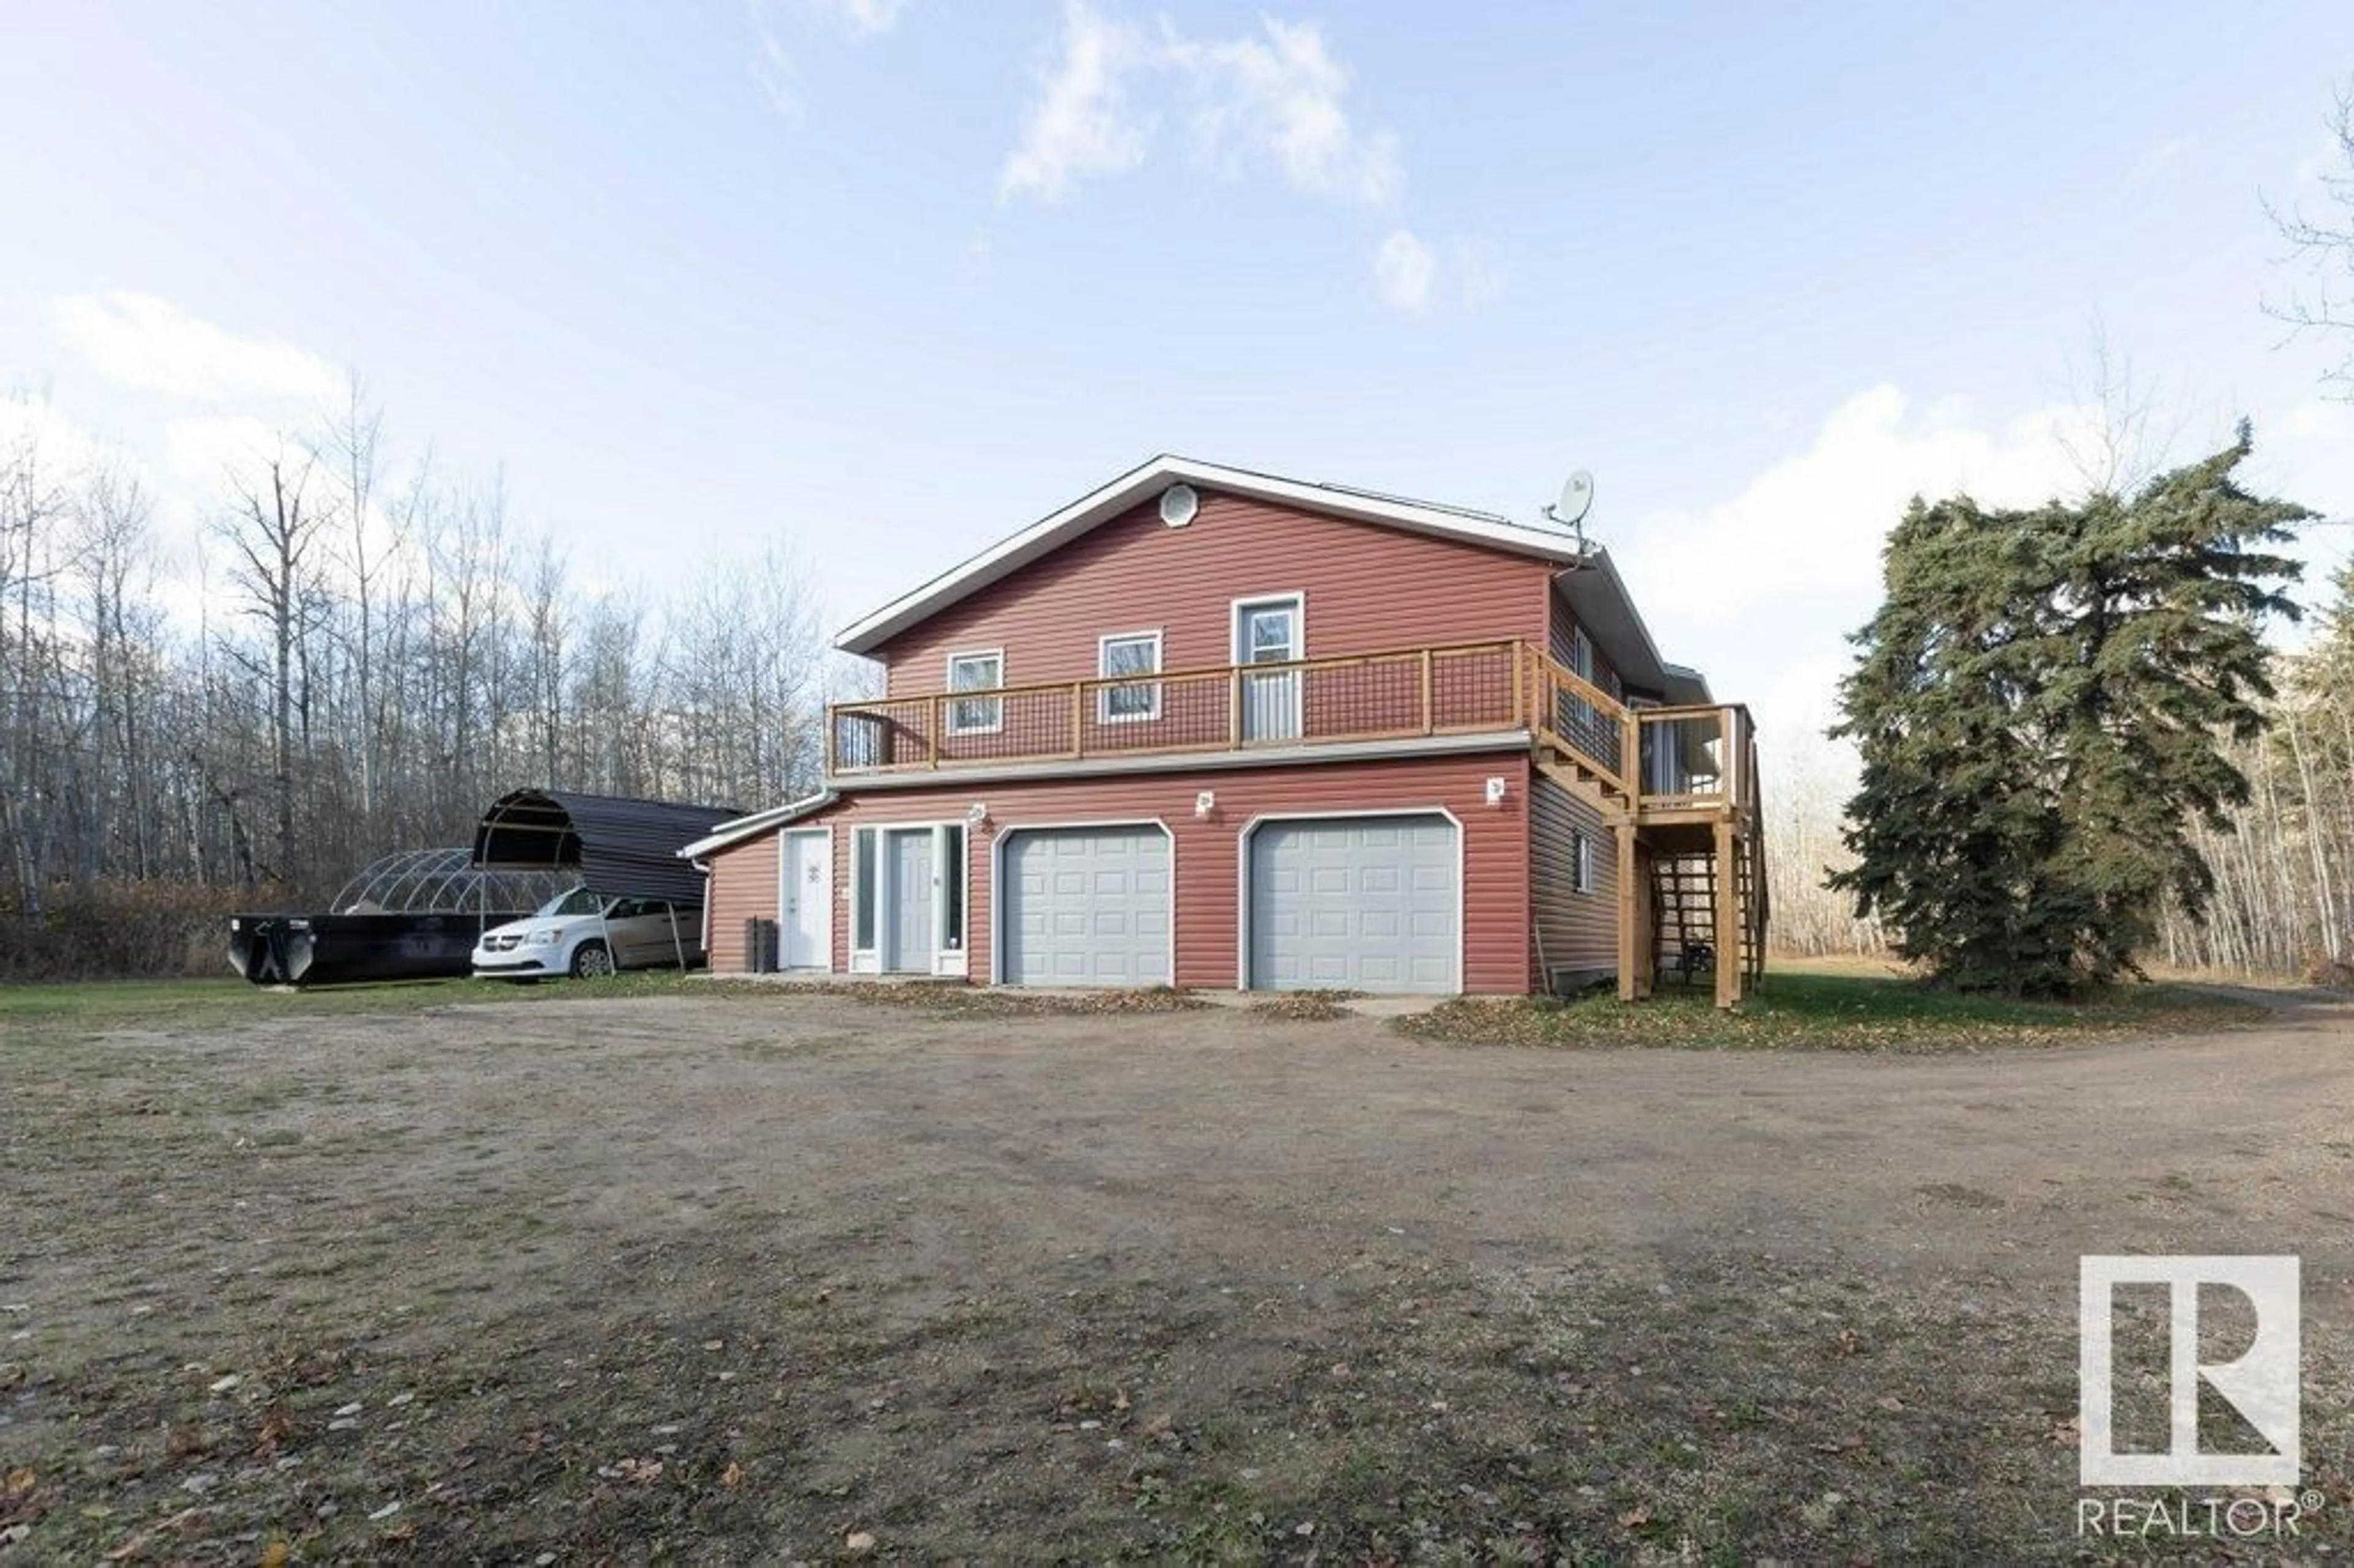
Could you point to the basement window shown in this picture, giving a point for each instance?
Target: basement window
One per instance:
(1582, 849)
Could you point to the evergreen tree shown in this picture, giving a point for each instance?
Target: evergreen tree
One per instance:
(2041, 705)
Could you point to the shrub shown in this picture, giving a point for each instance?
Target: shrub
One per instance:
(119, 930)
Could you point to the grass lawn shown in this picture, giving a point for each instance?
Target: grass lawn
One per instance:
(1835, 1005)
(1839, 1005)
(204, 1003)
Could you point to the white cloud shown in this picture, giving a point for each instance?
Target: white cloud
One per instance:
(1283, 99)
(1403, 271)
(207, 455)
(1809, 527)
(1277, 99)
(1759, 588)
(1413, 276)
(868, 16)
(778, 25)
(1082, 124)
(771, 63)
(153, 344)
(59, 447)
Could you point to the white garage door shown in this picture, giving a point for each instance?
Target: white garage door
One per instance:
(1085, 906)
(1355, 903)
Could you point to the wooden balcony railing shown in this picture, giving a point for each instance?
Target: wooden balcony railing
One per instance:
(1458, 689)
(1696, 758)
(1674, 757)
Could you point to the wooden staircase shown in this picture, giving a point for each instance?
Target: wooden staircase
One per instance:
(1678, 787)
(1685, 935)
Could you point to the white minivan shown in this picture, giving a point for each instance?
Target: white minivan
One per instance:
(584, 934)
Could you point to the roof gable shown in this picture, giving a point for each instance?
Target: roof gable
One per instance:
(1052, 532)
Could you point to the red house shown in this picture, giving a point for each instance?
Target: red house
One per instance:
(1213, 728)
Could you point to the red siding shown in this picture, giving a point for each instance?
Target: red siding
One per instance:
(743, 885)
(1562, 646)
(1368, 588)
(1496, 956)
(1577, 931)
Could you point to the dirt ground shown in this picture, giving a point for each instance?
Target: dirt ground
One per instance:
(734, 1278)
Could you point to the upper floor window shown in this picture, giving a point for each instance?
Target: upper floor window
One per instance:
(1129, 654)
(978, 671)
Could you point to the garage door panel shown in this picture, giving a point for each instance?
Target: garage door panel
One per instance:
(1369, 905)
(1085, 906)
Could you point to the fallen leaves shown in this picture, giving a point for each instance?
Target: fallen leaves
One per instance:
(642, 1472)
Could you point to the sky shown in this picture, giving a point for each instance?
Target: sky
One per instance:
(884, 280)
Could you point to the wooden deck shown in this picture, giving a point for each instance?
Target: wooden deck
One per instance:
(1677, 785)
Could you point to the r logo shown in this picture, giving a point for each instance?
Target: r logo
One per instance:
(2261, 1383)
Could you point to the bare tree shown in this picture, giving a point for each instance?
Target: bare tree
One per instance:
(2126, 444)
(272, 535)
(2321, 239)
(33, 504)
(374, 653)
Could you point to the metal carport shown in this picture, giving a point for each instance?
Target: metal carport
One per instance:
(619, 846)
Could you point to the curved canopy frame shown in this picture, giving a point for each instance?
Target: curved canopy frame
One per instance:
(444, 881)
(613, 845)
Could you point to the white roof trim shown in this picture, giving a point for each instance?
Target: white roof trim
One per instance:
(1002, 559)
(759, 822)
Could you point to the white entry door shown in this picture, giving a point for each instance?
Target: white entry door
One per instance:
(805, 886)
(1267, 631)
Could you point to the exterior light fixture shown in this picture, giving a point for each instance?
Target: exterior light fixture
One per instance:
(1495, 791)
(1205, 803)
(976, 813)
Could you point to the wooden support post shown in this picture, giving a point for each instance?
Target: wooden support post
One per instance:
(1728, 915)
(1234, 709)
(932, 737)
(1429, 714)
(1730, 721)
(1630, 757)
(1079, 718)
(1632, 935)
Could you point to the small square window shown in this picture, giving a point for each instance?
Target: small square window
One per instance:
(976, 672)
(1123, 654)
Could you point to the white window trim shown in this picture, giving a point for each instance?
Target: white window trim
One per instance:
(784, 923)
(996, 705)
(867, 959)
(1297, 600)
(946, 960)
(1104, 714)
(1293, 597)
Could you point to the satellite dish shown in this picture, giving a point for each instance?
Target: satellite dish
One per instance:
(1576, 499)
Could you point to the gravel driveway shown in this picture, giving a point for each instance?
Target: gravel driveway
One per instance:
(739, 1279)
